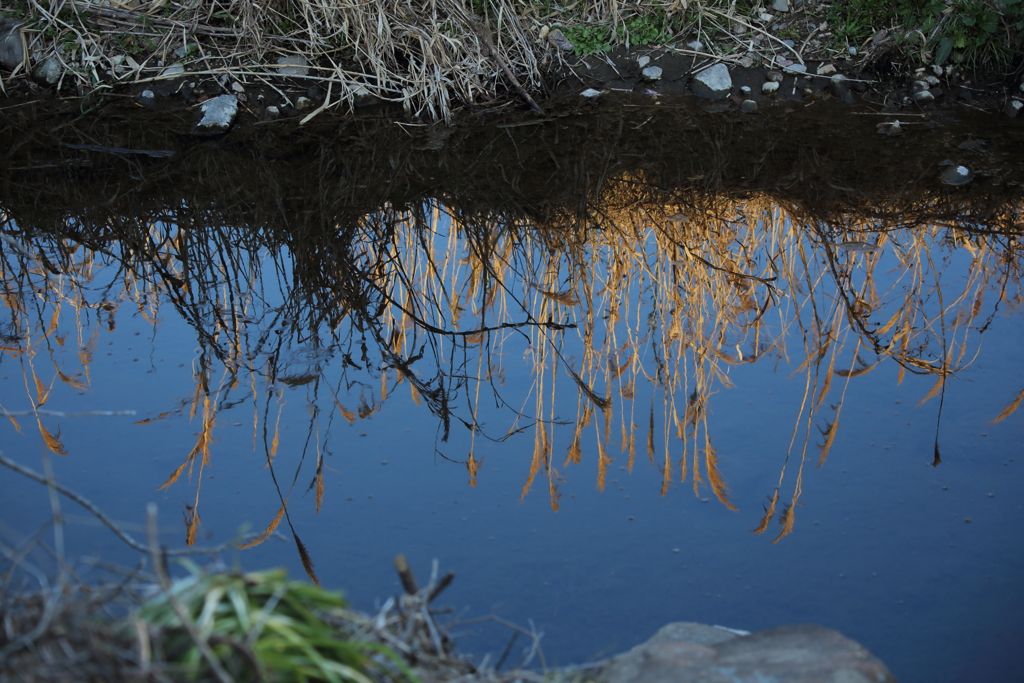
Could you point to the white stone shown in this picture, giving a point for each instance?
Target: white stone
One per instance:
(795, 69)
(590, 93)
(643, 61)
(714, 82)
(695, 45)
(826, 69)
(273, 112)
(932, 80)
(1013, 108)
(924, 97)
(218, 114)
(765, 18)
(769, 87)
(652, 73)
(238, 87)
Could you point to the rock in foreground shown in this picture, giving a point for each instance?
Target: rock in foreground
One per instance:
(684, 652)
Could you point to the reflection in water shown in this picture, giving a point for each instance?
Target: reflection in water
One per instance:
(628, 322)
(584, 289)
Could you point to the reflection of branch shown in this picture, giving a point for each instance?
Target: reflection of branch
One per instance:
(57, 413)
(107, 522)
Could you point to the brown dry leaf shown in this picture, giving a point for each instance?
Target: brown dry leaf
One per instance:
(347, 414)
(42, 391)
(855, 373)
(153, 419)
(650, 438)
(787, 520)
(193, 528)
(307, 563)
(768, 514)
(70, 380)
(266, 532)
(53, 441)
(319, 487)
(475, 337)
(715, 479)
(1010, 409)
(829, 433)
(934, 390)
(473, 467)
(175, 475)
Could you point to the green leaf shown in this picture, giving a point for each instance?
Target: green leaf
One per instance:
(945, 47)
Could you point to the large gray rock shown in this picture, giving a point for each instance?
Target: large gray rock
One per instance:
(714, 82)
(688, 653)
(218, 114)
(11, 53)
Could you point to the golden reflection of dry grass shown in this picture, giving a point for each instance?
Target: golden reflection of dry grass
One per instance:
(639, 313)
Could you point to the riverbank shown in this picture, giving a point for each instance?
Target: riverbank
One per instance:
(449, 56)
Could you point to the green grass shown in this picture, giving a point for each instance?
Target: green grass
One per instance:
(983, 34)
(261, 626)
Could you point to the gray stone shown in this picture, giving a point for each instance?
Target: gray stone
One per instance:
(795, 69)
(769, 87)
(591, 93)
(272, 112)
(651, 73)
(713, 83)
(918, 86)
(781, 5)
(643, 61)
(173, 70)
(48, 71)
(1013, 108)
(11, 53)
(685, 653)
(558, 39)
(924, 97)
(774, 76)
(292, 65)
(748, 106)
(147, 98)
(362, 97)
(837, 84)
(185, 50)
(695, 45)
(218, 114)
(745, 91)
(956, 175)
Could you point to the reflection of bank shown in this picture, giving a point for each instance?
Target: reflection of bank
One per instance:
(639, 268)
(631, 323)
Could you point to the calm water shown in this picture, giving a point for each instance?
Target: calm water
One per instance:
(584, 424)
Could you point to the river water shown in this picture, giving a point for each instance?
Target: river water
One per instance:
(623, 366)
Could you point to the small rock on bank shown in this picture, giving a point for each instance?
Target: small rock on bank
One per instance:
(11, 54)
(685, 652)
(218, 114)
(714, 82)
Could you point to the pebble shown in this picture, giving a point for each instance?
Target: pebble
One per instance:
(826, 69)
(590, 93)
(147, 98)
(651, 73)
(48, 72)
(781, 5)
(745, 91)
(1013, 108)
(769, 87)
(695, 45)
(292, 65)
(273, 112)
(924, 97)
(774, 76)
(643, 61)
(714, 82)
(796, 69)
(748, 106)
(218, 114)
